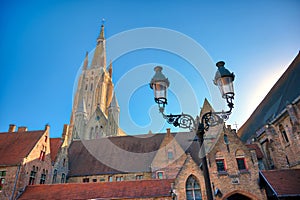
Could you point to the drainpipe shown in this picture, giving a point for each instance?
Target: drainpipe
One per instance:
(16, 180)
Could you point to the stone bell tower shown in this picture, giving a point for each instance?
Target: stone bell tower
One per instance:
(91, 117)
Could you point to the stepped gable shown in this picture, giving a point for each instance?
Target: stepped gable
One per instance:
(15, 146)
(285, 91)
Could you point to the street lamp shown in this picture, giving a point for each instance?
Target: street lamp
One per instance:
(224, 80)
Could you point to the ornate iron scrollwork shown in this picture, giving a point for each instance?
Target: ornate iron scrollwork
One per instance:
(181, 121)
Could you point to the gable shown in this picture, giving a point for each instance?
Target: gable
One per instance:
(55, 144)
(15, 146)
(168, 152)
(97, 118)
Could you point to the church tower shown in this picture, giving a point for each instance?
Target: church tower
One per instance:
(94, 102)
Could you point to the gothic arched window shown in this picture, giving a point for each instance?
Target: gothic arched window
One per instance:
(91, 86)
(283, 133)
(192, 187)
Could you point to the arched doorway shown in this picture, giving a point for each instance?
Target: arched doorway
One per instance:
(238, 196)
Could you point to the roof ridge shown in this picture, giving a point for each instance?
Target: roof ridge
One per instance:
(7, 132)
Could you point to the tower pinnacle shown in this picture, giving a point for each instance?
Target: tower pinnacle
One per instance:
(110, 70)
(86, 61)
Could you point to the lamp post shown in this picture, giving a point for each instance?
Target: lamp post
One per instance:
(224, 80)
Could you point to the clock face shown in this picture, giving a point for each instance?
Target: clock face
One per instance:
(98, 118)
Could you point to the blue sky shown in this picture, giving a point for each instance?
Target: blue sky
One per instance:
(43, 44)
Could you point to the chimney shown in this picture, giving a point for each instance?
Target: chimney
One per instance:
(47, 127)
(168, 131)
(12, 128)
(22, 128)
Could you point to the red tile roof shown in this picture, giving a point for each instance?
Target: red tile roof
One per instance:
(14, 146)
(259, 153)
(285, 182)
(107, 190)
(55, 144)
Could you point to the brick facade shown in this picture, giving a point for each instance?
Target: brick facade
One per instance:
(33, 168)
(241, 179)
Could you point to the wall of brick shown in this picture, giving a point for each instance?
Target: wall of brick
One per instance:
(189, 168)
(105, 178)
(234, 180)
(22, 172)
(10, 179)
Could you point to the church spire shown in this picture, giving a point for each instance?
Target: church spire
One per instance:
(101, 35)
(99, 59)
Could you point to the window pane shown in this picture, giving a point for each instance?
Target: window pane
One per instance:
(189, 185)
(241, 163)
(160, 175)
(226, 139)
(220, 165)
(196, 185)
(189, 195)
(198, 195)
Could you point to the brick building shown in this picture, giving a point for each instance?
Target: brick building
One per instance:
(94, 160)
(274, 127)
(275, 124)
(169, 156)
(25, 160)
(172, 158)
(59, 157)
